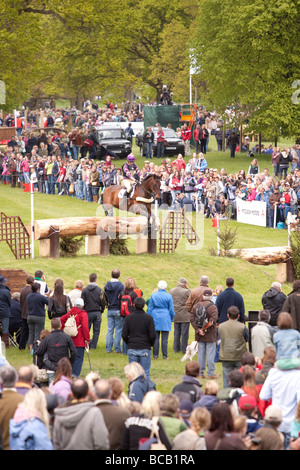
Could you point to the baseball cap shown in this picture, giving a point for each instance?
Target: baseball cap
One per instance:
(273, 413)
(186, 408)
(79, 302)
(247, 402)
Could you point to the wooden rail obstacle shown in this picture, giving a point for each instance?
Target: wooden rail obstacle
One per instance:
(15, 234)
(174, 227)
(98, 231)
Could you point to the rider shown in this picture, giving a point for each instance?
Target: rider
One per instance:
(130, 174)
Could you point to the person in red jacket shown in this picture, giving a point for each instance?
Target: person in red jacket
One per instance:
(81, 340)
(186, 135)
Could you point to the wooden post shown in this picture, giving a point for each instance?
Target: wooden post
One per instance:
(105, 244)
(54, 242)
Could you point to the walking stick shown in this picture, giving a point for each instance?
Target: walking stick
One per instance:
(88, 354)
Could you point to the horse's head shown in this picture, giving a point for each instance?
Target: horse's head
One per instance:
(152, 184)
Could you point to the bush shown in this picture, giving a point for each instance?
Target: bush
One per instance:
(117, 246)
(70, 246)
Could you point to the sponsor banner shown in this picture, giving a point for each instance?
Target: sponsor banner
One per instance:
(251, 212)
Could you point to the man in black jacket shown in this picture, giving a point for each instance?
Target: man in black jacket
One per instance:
(94, 305)
(273, 301)
(139, 334)
(5, 304)
(55, 346)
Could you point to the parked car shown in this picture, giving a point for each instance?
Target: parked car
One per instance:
(174, 147)
(113, 139)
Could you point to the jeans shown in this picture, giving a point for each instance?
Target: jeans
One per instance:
(53, 180)
(160, 150)
(232, 151)
(143, 357)
(5, 325)
(149, 146)
(114, 324)
(164, 344)
(206, 354)
(24, 334)
(95, 319)
(228, 366)
(36, 324)
(79, 189)
(181, 336)
(77, 365)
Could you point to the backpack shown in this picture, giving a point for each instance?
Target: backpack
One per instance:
(126, 305)
(201, 316)
(70, 326)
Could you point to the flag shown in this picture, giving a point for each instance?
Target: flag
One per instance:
(216, 221)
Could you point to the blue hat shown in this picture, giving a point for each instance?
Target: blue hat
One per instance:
(2, 280)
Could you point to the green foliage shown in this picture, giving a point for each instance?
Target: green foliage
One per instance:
(295, 255)
(70, 246)
(227, 236)
(118, 246)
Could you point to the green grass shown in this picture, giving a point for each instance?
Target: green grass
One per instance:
(250, 280)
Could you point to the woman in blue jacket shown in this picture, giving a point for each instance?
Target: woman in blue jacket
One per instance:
(161, 308)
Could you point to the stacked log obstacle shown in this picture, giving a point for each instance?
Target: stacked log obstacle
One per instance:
(279, 255)
(98, 231)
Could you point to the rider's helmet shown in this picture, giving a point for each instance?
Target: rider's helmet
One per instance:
(130, 157)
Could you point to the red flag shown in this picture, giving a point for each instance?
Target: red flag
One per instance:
(216, 221)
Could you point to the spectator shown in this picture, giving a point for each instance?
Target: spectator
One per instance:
(192, 438)
(36, 314)
(269, 436)
(9, 401)
(80, 425)
(190, 387)
(209, 398)
(15, 318)
(221, 434)
(292, 305)
(5, 305)
(128, 295)
(180, 295)
(169, 415)
(138, 427)
(94, 306)
(39, 278)
(286, 340)
(248, 407)
(26, 290)
(138, 383)
(197, 293)
(29, 428)
(262, 333)
(234, 391)
(81, 340)
(25, 380)
(268, 360)
(55, 346)
(229, 298)
(139, 335)
(114, 416)
(273, 300)
(283, 388)
(61, 385)
(76, 292)
(161, 308)
(234, 337)
(59, 303)
(113, 288)
(207, 334)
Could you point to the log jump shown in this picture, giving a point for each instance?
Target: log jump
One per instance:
(98, 230)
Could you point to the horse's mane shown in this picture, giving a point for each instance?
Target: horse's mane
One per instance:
(150, 175)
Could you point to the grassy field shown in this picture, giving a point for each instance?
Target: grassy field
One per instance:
(250, 280)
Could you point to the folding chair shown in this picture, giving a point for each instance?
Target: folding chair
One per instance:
(14, 337)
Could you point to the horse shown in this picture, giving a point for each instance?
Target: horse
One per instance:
(140, 199)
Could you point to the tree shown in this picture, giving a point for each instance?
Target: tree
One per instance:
(248, 57)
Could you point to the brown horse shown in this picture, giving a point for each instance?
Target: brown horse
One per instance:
(139, 202)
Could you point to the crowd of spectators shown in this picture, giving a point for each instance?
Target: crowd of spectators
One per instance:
(51, 405)
(59, 162)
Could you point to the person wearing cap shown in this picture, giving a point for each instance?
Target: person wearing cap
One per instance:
(130, 174)
(161, 308)
(180, 294)
(247, 406)
(139, 335)
(269, 436)
(81, 341)
(206, 337)
(5, 305)
(274, 201)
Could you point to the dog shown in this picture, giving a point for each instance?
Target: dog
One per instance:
(191, 351)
